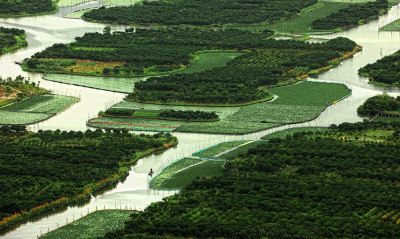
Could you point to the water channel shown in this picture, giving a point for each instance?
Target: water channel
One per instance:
(43, 31)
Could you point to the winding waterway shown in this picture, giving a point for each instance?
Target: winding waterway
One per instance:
(43, 31)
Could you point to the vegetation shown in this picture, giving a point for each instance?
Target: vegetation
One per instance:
(216, 150)
(353, 15)
(295, 103)
(308, 186)
(283, 133)
(184, 171)
(144, 52)
(200, 12)
(35, 109)
(12, 90)
(11, 39)
(116, 84)
(379, 104)
(47, 170)
(92, 226)
(302, 23)
(16, 8)
(239, 81)
(180, 115)
(384, 71)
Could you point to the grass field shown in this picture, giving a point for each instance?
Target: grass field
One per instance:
(68, 3)
(386, 119)
(124, 85)
(282, 134)
(302, 23)
(219, 148)
(94, 225)
(208, 61)
(182, 172)
(241, 149)
(34, 109)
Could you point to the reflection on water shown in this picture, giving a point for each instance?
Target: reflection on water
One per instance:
(44, 31)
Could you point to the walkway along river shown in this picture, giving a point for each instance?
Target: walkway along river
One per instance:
(43, 31)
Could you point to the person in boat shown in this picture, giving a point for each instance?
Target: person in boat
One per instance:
(151, 172)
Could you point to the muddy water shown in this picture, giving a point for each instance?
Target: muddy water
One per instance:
(133, 193)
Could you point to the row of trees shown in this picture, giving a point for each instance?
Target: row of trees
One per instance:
(15, 7)
(200, 12)
(351, 16)
(188, 115)
(306, 186)
(385, 70)
(36, 168)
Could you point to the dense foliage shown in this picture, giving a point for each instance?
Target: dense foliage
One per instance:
(11, 38)
(25, 7)
(142, 51)
(188, 115)
(305, 186)
(238, 81)
(385, 70)
(351, 16)
(200, 12)
(379, 104)
(119, 112)
(40, 167)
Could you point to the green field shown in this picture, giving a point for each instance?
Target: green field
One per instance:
(182, 172)
(34, 109)
(386, 119)
(296, 103)
(208, 61)
(219, 148)
(283, 133)
(302, 23)
(124, 85)
(68, 3)
(94, 225)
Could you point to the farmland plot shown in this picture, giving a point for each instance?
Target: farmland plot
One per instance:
(34, 109)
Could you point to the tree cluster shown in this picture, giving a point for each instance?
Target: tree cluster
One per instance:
(238, 81)
(144, 48)
(379, 104)
(385, 70)
(15, 7)
(188, 115)
(351, 16)
(40, 167)
(200, 12)
(304, 186)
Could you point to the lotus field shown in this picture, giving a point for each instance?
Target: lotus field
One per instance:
(34, 109)
(117, 84)
(94, 225)
(300, 102)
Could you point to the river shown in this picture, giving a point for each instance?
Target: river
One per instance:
(43, 31)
